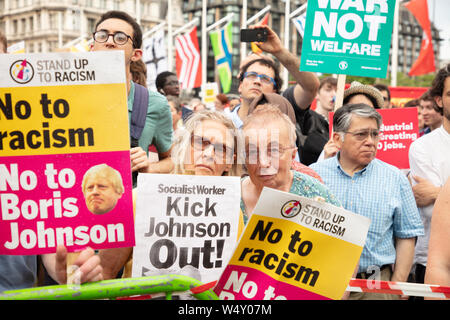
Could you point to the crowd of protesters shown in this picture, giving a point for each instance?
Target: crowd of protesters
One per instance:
(408, 237)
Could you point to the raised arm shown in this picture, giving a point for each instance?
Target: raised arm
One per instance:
(307, 82)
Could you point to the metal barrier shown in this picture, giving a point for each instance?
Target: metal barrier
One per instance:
(113, 289)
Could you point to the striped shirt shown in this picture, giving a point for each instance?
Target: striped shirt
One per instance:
(382, 193)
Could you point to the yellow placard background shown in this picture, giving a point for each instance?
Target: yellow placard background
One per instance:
(102, 107)
(335, 259)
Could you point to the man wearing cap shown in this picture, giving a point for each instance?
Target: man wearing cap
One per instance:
(375, 189)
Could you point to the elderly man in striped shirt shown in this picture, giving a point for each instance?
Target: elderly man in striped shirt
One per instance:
(375, 189)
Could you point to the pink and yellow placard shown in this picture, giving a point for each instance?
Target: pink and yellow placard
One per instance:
(61, 115)
(294, 248)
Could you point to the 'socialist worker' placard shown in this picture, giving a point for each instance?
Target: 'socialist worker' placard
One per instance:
(185, 225)
(64, 153)
(294, 248)
(350, 37)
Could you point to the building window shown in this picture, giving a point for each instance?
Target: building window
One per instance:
(53, 21)
(91, 24)
(23, 25)
(75, 20)
(15, 26)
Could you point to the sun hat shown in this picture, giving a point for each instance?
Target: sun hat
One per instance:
(369, 91)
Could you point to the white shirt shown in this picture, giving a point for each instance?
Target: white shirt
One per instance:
(429, 158)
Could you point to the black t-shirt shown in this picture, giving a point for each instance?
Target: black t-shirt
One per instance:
(312, 130)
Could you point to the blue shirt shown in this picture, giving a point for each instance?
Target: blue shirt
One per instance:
(382, 193)
(235, 117)
(17, 272)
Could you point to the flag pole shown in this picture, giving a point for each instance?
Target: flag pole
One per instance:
(244, 26)
(138, 11)
(204, 43)
(186, 26)
(298, 10)
(219, 22)
(394, 61)
(153, 30)
(258, 14)
(169, 36)
(287, 21)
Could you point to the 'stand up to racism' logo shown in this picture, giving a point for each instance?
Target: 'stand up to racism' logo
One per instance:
(291, 208)
(21, 71)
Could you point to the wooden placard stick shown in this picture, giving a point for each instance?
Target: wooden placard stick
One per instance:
(340, 91)
(71, 268)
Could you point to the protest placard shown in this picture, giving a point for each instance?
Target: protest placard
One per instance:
(348, 37)
(185, 225)
(401, 95)
(294, 248)
(62, 114)
(209, 92)
(399, 129)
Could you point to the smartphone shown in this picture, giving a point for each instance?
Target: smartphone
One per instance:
(254, 35)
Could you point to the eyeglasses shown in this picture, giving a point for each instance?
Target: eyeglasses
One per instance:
(119, 37)
(172, 83)
(252, 153)
(221, 151)
(363, 134)
(263, 78)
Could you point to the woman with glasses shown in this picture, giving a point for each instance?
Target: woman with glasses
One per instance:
(207, 145)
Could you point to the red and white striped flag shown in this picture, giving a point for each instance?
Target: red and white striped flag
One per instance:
(188, 62)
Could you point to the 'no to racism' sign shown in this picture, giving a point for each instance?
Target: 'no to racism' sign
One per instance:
(350, 37)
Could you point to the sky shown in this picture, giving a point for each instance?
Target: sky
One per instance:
(439, 11)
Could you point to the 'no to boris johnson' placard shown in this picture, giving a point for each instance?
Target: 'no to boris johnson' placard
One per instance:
(65, 174)
(350, 37)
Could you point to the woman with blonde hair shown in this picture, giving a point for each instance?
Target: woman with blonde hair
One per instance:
(191, 152)
(208, 145)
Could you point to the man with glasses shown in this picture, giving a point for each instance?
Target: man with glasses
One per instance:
(374, 189)
(167, 84)
(116, 30)
(269, 137)
(259, 74)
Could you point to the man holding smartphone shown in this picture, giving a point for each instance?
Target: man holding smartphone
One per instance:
(259, 74)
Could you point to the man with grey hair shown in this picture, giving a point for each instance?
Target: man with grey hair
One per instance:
(374, 189)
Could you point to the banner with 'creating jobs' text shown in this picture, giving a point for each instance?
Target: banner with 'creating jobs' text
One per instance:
(64, 126)
(294, 248)
(185, 225)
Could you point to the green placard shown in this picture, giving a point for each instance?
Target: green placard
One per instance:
(350, 37)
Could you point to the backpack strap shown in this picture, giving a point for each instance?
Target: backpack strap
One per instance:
(139, 113)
